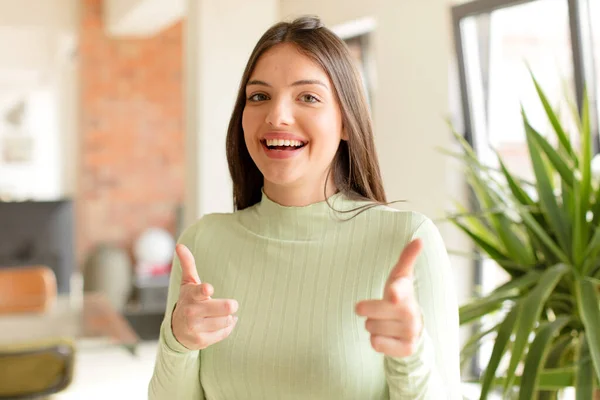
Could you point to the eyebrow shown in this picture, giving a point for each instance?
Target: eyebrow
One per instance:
(297, 83)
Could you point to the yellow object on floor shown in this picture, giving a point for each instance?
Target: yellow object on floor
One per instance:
(36, 369)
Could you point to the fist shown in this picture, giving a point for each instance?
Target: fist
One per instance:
(395, 322)
(198, 320)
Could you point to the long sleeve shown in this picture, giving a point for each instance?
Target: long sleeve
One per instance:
(177, 369)
(433, 371)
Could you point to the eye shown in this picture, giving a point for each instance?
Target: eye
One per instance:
(258, 97)
(309, 98)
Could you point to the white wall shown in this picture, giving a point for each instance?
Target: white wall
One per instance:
(411, 52)
(219, 39)
(68, 108)
(413, 57)
(40, 178)
(51, 120)
(43, 72)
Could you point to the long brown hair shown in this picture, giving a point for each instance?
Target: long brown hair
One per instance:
(355, 168)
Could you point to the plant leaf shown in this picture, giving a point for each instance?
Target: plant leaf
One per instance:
(536, 357)
(503, 227)
(588, 303)
(586, 157)
(474, 342)
(549, 379)
(547, 395)
(583, 190)
(557, 378)
(523, 282)
(555, 215)
(559, 346)
(504, 332)
(579, 224)
(568, 198)
(485, 305)
(596, 207)
(558, 129)
(572, 105)
(565, 170)
(484, 241)
(585, 372)
(473, 221)
(487, 198)
(532, 307)
(520, 195)
(535, 227)
(591, 252)
(492, 251)
(474, 339)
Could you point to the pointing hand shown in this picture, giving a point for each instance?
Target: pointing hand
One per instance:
(395, 321)
(199, 321)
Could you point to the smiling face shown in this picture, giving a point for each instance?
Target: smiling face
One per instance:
(292, 123)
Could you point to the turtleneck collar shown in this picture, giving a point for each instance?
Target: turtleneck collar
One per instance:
(273, 220)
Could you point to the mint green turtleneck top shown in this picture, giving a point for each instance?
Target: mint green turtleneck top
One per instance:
(297, 274)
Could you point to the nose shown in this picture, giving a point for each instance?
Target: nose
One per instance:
(280, 113)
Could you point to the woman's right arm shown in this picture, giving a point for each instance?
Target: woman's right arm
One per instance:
(177, 369)
(193, 321)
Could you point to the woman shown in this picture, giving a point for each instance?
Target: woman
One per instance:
(312, 288)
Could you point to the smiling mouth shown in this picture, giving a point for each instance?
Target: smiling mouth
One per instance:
(283, 145)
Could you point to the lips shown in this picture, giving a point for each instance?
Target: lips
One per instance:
(274, 135)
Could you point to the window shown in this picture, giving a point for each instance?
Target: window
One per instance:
(496, 40)
(497, 49)
(357, 36)
(359, 50)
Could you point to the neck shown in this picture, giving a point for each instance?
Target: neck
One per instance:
(300, 195)
(271, 219)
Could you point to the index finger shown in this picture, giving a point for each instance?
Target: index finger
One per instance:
(189, 273)
(405, 265)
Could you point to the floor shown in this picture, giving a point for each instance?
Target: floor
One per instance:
(111, 373)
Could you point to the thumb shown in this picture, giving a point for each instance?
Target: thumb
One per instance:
(189, 273)
(405, 266)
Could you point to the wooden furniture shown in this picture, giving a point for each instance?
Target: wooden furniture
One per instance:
(26, 289)
(91, 322)
(31, 369)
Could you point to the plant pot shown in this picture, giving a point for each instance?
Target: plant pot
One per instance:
(108, 270)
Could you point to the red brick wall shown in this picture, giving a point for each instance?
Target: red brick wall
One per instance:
(131, 168)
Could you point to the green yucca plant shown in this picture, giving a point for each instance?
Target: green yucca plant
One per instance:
(546, 236)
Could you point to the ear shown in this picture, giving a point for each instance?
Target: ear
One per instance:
(344, 134)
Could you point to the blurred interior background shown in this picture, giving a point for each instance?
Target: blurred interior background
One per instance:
(113, 117)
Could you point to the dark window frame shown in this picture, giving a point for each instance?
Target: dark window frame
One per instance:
(583, 71)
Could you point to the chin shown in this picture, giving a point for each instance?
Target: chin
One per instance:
(281, 180)
(279, 174)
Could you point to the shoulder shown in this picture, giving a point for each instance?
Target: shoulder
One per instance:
(402, 227)
(410, 222)
(208, 224)
(415, 225)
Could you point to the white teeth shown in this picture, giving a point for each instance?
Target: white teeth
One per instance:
(283, 142)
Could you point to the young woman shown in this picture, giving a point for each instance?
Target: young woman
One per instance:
(312, 288)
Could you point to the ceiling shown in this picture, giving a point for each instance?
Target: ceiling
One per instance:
(36, 35)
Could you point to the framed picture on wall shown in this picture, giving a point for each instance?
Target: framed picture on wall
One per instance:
(16, 148)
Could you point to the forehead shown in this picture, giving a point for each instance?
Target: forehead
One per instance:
(285, 62)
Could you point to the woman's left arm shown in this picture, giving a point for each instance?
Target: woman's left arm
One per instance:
(415, 325)
(433, 370)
